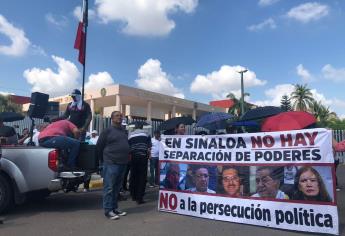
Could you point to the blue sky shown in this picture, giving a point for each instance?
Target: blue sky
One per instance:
(185, 48)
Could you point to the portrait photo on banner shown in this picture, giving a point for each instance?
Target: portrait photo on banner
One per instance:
(188, 177)
(233, 181)
(303, 183)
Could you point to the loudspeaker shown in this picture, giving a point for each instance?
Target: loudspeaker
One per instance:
(40, 99)
(38, 106)
(87, 157)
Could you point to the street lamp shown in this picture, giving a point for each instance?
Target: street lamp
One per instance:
(242, 90)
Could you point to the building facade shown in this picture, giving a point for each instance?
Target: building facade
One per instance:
(134, 102)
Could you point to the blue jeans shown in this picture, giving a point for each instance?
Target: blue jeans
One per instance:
(154, 171)
(65, 143)
(112, 182)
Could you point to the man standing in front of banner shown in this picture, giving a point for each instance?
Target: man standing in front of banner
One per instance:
(113, 150)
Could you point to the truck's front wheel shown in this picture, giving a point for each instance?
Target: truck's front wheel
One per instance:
(6, 194)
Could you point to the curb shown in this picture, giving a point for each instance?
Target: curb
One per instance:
(96, 184)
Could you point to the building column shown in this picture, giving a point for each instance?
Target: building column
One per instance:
(100, 124)
(173, 111)
(195, 107)
(149, 111)
(118, 102)
(123, 109)
(194, 114)
(92, 106)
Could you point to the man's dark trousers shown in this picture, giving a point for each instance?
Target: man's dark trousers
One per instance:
(138, 177)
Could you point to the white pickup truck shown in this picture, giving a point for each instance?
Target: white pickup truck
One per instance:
(27, 171)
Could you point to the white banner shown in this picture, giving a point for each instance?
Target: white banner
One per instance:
(278, 179)
(302, 146)
(296, 216)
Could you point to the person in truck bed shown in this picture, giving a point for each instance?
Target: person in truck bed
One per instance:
(7, 134)
(58, 135)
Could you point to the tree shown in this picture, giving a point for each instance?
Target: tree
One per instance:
(236, 107)
(7, 105)
(322, 113)
(302, 98)
(285, 103)
(336, 124)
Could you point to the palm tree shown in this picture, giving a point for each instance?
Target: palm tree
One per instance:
(7, 105)
(322, 113)
(316, 109)
(285, 103)
(302, 98)
(236, 107)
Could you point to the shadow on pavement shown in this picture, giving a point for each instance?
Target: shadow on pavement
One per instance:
(79, 201)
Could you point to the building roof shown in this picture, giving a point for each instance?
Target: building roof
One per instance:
(226, 103)
(19, 99)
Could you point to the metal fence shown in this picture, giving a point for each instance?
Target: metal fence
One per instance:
(339, 135)
(100, 123)
(22, 124)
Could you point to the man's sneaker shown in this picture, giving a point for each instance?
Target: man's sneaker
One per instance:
(151, 186)
(338, 189)
(120, 213)
(112, 215)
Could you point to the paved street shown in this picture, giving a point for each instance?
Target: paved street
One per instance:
(81, 214)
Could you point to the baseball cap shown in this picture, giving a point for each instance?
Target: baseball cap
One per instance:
(75, 92)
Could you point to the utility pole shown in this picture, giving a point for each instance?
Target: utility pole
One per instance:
(242, 90)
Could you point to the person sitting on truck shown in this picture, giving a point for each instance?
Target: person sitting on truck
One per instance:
(8, 134)
(58, 135)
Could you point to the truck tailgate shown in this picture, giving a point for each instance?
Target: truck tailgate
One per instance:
(28, 166)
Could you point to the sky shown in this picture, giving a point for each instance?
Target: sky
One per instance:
(191, 49)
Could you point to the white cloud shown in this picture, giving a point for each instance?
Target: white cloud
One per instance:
(321, 98)
(339, 105)
(143, 17)
(274, 95)
(77, 12)
(264, 3)
(331, 73)
(54, 83)
(304, 74)
(19, 43)
(38, 50)
(59, 21)
(153, 78)
(99, 80)
(225, 80)
(307, 12)
(268, 23)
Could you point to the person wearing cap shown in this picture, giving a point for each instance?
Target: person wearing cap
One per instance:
(94, 137)
(79, 113)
